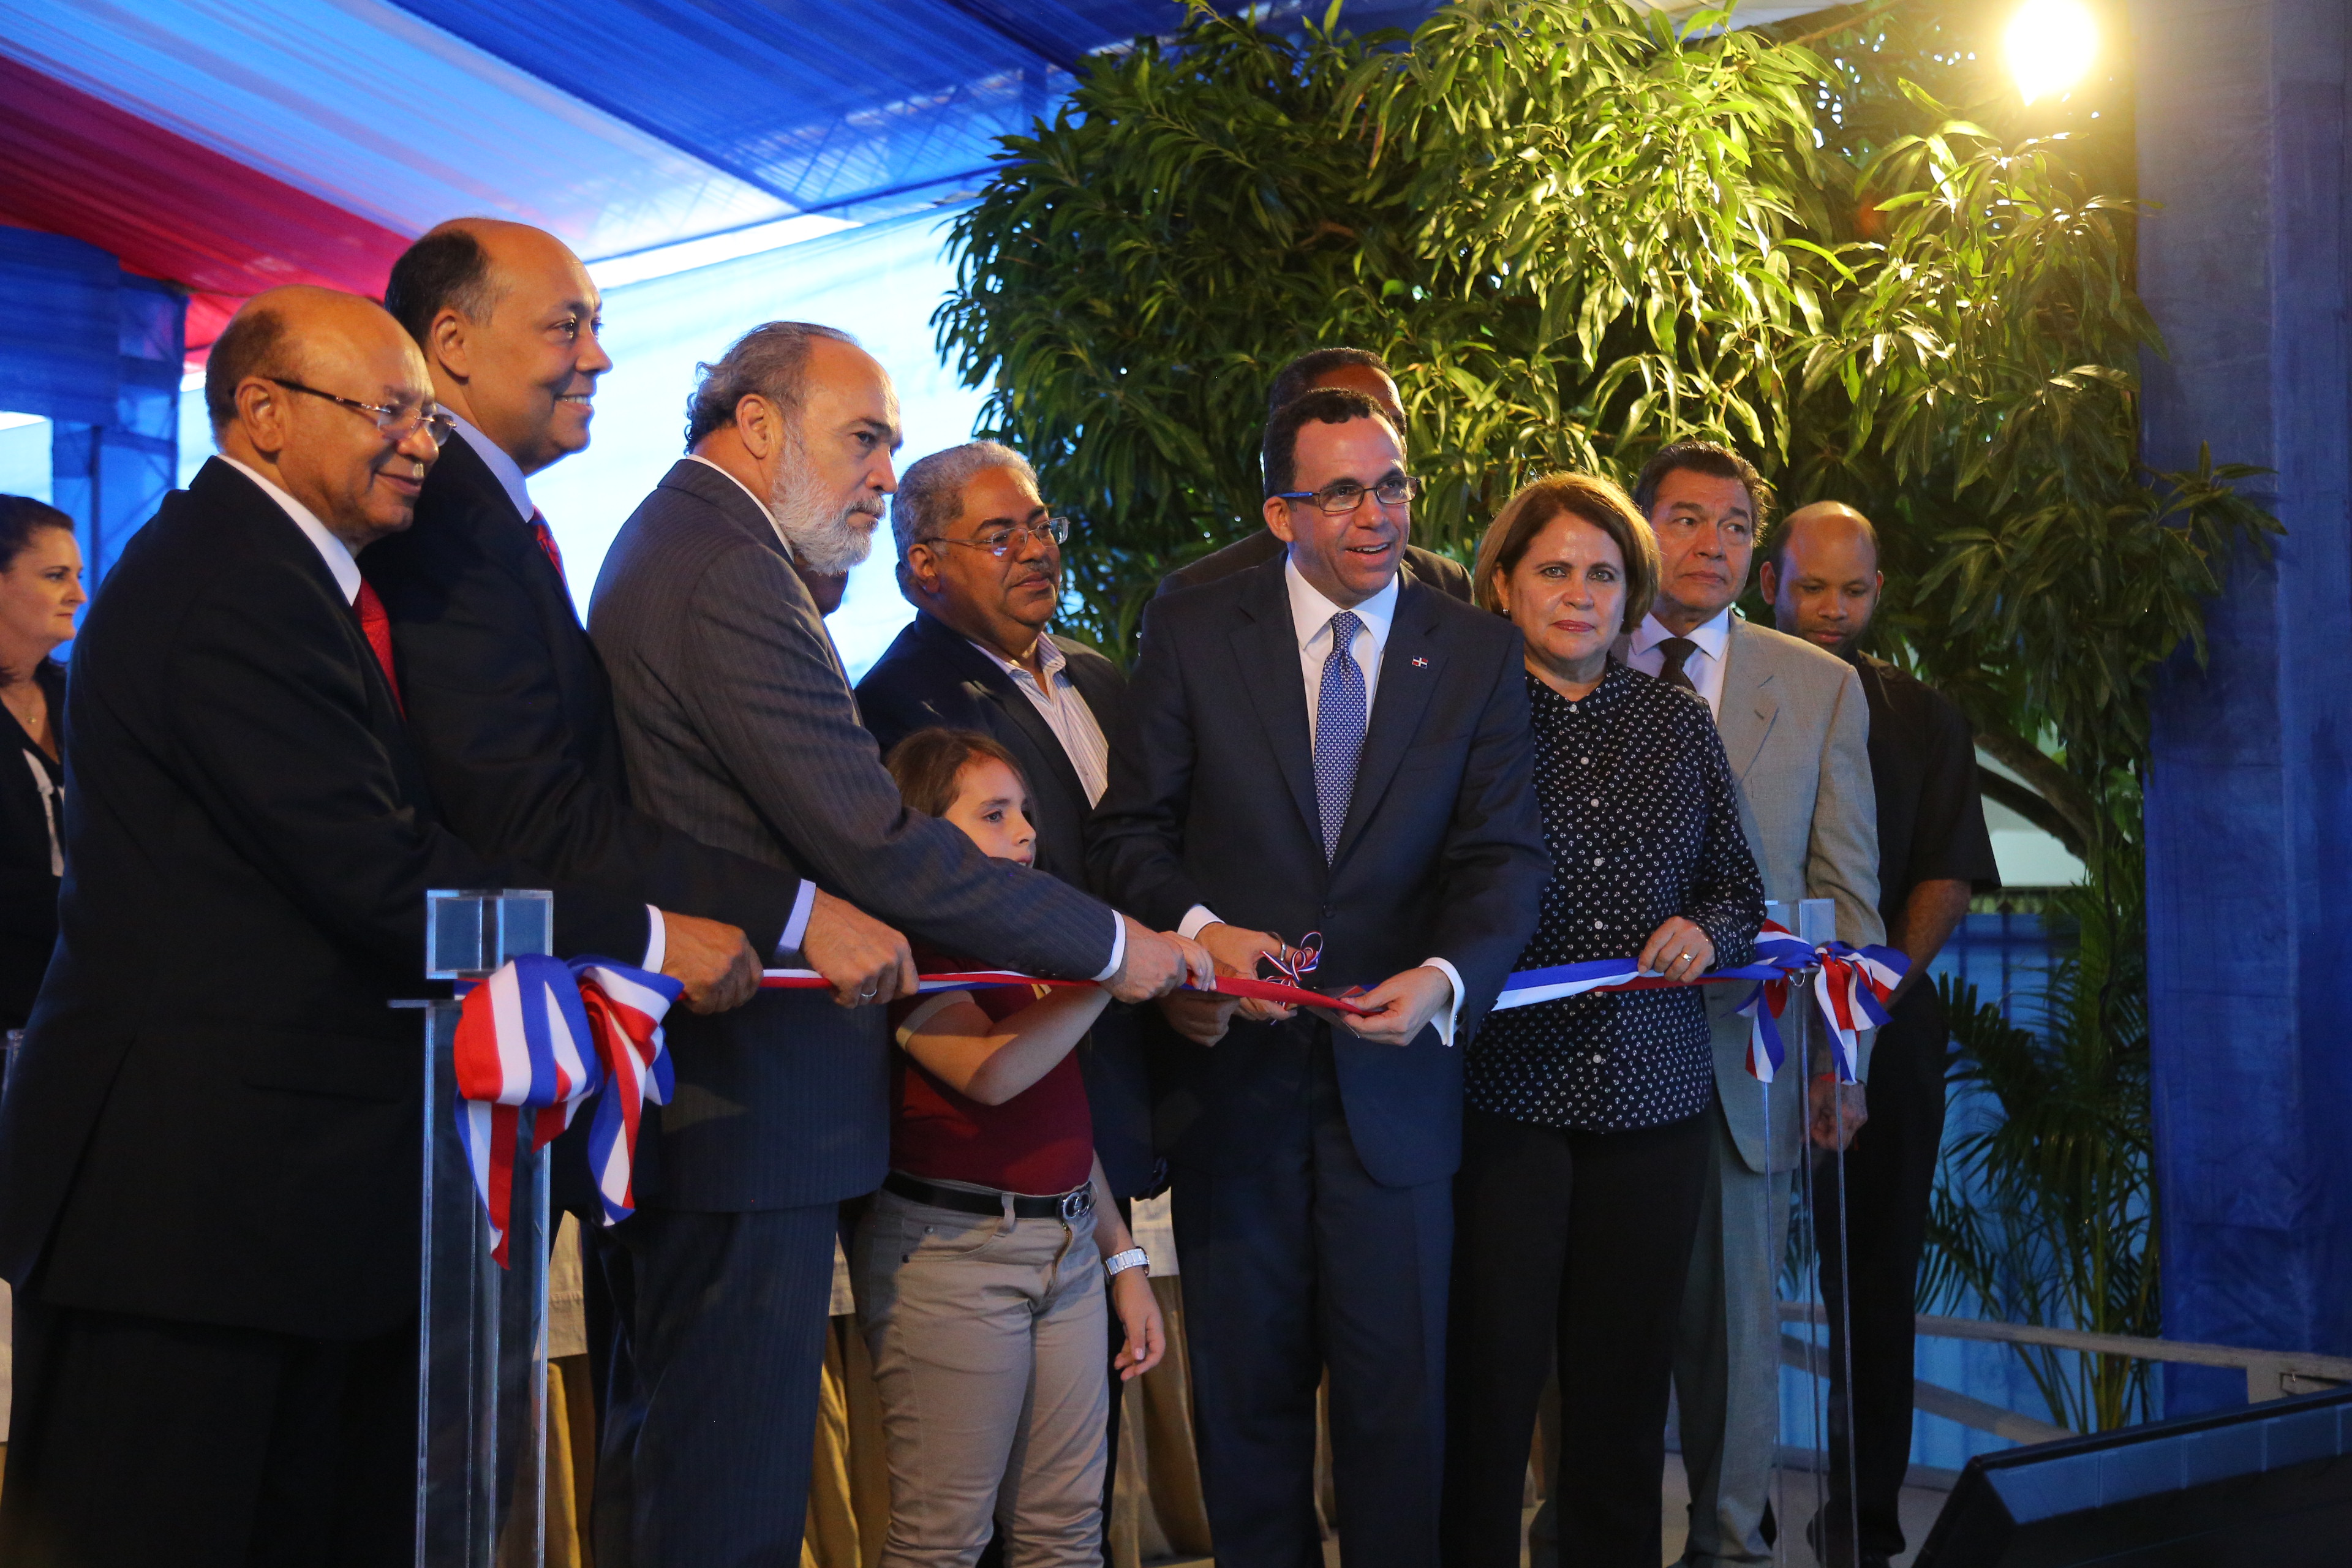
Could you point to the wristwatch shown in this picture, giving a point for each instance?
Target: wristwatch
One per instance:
(1119, 1263)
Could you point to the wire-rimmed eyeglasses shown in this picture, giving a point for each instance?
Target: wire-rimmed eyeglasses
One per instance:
(1346, 495)
(397, 423)
(1002, 541)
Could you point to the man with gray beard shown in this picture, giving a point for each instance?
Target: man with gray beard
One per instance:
(739, 728)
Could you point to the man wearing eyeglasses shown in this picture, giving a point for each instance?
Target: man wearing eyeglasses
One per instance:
(209, 1185)
(1352, 369)
(980, 557)
(1315, 745)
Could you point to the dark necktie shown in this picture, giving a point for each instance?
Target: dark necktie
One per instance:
(376, 626)
(546, 537)
(1676, 650)
(1342, 714)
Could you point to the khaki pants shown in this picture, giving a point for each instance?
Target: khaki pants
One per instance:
(990, 1347)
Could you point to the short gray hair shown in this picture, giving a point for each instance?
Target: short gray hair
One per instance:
(930, 492)
(770, 361)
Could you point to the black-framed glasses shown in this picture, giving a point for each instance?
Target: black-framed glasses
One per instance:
(1346, 495)
(396, 423)
(1002, 541)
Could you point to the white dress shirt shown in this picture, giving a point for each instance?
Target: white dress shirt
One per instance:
(1310, 622)
(1705, 667)
(507, 472)
(1059, 703)
(345, 569)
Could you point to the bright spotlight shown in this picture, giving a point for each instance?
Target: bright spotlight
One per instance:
(2049, 44)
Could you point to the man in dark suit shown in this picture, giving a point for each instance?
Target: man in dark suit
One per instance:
(739, 727)
(507, 702)
(1314, 744)
(981, 560)
(977, 656)
(1350, 370)
(209, 1184)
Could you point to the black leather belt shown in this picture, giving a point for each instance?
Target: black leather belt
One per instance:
(1064, 1206)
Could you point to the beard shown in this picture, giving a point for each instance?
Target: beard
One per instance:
(826, 538)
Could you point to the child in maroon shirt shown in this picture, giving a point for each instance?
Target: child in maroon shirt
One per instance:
(979, 1268)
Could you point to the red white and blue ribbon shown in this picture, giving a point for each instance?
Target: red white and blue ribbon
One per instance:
(1852, 996)
(541, 1035)
(1855, 987)
(980, 979)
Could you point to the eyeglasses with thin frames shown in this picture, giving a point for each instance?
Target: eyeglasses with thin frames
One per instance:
(1002, 541)
(1346, 495)
(397, 423)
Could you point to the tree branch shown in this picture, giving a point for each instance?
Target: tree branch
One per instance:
(2059, 790)
(2032, 807)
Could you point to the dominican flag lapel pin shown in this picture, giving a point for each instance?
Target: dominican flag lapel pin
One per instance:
(1421, 664)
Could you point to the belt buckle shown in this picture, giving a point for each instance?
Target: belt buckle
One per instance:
(1077, 1202)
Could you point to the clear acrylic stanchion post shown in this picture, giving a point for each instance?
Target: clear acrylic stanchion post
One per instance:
(481, 1461)
(1816, 1501)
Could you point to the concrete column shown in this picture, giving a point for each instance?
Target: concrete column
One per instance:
(2242, 120)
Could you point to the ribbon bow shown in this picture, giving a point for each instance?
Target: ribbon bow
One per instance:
(543, 1036)
(1853, 995)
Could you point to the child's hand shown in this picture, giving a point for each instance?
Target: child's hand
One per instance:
(1138, 1311)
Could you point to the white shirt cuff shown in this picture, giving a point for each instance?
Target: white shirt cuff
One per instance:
(1117, 946)
(797, 928)
(656, 941)
(1445, 1022)
(1196, 920)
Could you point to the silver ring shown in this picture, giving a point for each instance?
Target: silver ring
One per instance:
(868, 994)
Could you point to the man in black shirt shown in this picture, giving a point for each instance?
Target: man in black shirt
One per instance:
(1821, 572)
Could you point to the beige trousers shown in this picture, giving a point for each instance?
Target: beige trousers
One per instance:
(990, 1351)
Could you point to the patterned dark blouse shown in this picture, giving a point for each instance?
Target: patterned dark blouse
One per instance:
(1643, 823)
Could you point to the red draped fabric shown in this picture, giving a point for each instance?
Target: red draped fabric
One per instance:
(74, 164)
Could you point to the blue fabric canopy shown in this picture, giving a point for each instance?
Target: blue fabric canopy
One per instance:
(827, 103)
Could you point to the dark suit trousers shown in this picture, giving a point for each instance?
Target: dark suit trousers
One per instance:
(137, 1441)
(1569, 1244)
(706, 1464)
(1891, 1172)
(1301, 1264)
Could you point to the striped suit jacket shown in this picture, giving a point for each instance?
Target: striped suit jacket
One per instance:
(739, 727)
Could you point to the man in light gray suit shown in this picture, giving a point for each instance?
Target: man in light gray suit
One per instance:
(1796, 729)
(739, 727)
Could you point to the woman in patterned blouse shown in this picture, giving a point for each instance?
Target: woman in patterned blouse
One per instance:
(1584, 1143)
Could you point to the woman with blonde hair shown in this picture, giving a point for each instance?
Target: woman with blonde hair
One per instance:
(1584, 1140)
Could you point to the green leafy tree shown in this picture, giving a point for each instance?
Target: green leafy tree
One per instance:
(1578, 231)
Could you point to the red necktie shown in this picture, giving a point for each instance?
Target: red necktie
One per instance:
(376, 626)
(546, 537)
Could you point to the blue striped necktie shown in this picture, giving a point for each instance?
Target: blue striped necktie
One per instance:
(1340, 713)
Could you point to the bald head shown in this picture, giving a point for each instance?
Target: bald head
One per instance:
(1821, 572)
(508, 318)
(283, 384)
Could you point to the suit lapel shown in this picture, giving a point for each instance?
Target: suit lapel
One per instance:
(220, 487)
(1397, 706)
(980, 670)
(1266, 647)
(1745, 715)
(734, 502)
